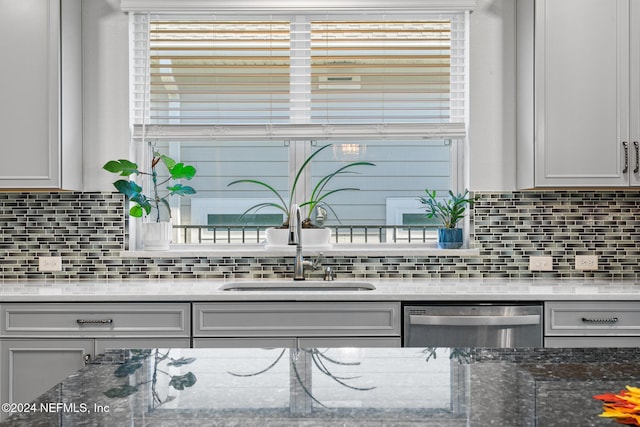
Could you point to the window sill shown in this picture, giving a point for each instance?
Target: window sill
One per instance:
(259, 250)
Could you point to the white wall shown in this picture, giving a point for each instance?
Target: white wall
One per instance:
(492, 80)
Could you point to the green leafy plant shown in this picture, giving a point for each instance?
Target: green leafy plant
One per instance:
(145, 203)
(448, 211)
(318, 195)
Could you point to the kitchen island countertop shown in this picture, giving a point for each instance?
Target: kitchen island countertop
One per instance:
(337, 387)
(386, 290)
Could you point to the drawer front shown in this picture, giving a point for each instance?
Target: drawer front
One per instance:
(95, 320)
(293, 342)
(296, 319)
(577, 342)
(592, 319)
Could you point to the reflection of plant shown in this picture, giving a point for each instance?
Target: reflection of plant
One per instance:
(317, 198)
(320, 360)
(623, 407)
(136, 361)
(461, 354)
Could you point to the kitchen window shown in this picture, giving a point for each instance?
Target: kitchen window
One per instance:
(250, 95)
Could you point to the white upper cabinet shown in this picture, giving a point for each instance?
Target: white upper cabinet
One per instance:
(41, 84)
(578, 100)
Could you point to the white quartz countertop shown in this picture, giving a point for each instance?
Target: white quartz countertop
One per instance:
(386, 290)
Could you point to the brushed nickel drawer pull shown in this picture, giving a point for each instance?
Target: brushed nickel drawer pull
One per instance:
(603, 320)
(94, 321)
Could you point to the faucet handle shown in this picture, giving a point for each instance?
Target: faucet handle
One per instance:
(317, 262)
(329, 274)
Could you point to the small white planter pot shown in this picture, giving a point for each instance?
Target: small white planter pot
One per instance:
(156, 236)
(315, 238)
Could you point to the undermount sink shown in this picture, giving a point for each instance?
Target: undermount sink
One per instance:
(298, 285)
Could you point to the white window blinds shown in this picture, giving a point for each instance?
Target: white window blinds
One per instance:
(298, 74)
(380, 72)
(229, 72)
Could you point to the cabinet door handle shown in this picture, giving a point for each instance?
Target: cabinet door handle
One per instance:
(87, 359)
(625, 145)
(601, 320)
(637, 168)
(94, 321)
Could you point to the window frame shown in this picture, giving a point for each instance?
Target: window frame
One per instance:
(296, 133)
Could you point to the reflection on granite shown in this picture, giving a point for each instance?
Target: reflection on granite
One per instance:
(339, 387)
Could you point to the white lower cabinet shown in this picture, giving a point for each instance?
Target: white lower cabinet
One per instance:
(592, 324)
(32, 366)
(41, 344)
(296, 324)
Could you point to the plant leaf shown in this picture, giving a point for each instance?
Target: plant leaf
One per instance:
(182, 361)
(123, 167)
(168, 161)
(180, 382)
(181, 190)
(301, 169)
(123, 391)
(136, 211)
(283, 206)
(167, 206)
(127, 368)
(127, 187)
(180, 170)
(140, 354)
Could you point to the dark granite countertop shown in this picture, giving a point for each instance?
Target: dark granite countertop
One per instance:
(337, 387)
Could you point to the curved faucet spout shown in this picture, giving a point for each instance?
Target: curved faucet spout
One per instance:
(295, 238)
(295, 225)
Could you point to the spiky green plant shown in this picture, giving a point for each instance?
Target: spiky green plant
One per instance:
(448, 211)
(318, 195)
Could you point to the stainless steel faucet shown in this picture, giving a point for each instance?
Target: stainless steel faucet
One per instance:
(295, 238)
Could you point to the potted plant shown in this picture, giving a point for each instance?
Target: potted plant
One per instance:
(449, 211)
(276, 236)
(156, 234)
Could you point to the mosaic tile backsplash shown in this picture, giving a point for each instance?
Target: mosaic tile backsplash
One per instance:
(88, 230)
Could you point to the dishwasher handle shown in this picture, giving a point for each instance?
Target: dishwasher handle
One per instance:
(454, 320)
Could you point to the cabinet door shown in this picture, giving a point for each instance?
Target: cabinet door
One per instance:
(29, 367)
(582, 93)
(634, 93)
(41, 57)
(296, 319)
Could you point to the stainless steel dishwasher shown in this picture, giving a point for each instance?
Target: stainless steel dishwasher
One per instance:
(478, 325)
